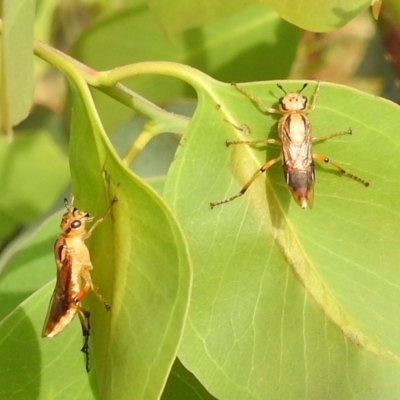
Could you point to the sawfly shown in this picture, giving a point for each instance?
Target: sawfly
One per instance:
(73, 275)
(295, 141)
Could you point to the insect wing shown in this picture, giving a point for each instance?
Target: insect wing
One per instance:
(61, 309)
(298, 166)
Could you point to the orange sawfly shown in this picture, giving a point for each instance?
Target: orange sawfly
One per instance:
(73, 275)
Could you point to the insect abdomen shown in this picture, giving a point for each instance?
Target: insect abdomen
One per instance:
(301, 185)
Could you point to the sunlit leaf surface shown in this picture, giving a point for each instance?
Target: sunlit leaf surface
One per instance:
(290, 302)
(141, 267)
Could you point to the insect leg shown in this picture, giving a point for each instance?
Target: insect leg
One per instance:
(100, 220)
(247, 185)
(313, 100)
(100, 297)
(256, 100)
(268, 141)
(340, 169)
(84, 318)
(332, 135)
(243, 128)
(82, 293)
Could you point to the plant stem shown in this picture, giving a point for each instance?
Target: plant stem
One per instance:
(137, 146)
(192, 76)
(166, 121)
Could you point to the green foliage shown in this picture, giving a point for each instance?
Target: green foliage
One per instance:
(318, 16)
(283, 296)
(240, 47)
(16, 63)
(254, 299)
(145, 266)
(313, 15)
(26, 160)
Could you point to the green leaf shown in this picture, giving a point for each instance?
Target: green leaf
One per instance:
(182, 385)
(316, 15)
(31, 366)
(243, 46)
(25, 174)
(142, 266)
(182, 15)
(16, 67)
(291, 303)
(312, 15)
(30, 251)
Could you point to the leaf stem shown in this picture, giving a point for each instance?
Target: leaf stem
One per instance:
(138, 145)
(166, 121)
(158, 120)
(192, 76)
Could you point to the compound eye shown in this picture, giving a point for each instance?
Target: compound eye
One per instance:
(76, 224)
(282, 103)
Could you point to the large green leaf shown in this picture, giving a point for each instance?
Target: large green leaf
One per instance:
(313, 15)
(16, 62)
(148, 278)
(141, 267)
(291, 303)
(318, 16)
(243, 46)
